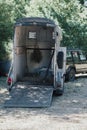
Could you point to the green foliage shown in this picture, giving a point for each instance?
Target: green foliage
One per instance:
(5, 22)
(5, 29)
(70, 15)
(81, 1)
(5, 51)
(19, 8)
(9, 11)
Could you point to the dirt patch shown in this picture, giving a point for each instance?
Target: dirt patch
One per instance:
(67, 112)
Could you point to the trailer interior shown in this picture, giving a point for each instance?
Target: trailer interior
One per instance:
(34, 50)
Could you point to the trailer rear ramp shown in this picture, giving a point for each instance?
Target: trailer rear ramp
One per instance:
(24, 95)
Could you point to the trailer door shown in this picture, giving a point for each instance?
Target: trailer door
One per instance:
(60, 67)
(61, 59)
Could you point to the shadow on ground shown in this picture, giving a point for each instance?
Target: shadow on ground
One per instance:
(74, 101)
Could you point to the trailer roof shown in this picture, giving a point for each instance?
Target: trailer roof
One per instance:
(34, 21)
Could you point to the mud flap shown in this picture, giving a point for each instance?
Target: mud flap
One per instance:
(24, 95)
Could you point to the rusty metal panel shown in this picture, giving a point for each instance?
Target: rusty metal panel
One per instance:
(20, 36)
(19, 50)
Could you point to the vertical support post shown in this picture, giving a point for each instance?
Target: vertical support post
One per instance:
(58, 38)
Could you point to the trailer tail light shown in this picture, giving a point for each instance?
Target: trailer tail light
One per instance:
(9, 81)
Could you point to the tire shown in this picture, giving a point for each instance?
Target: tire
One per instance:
(71, 75)
(59, 92)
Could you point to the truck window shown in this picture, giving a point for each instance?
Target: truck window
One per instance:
(82, 56)
(69, 56)
(75, 56)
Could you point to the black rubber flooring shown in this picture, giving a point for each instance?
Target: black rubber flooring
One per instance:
(24, 95)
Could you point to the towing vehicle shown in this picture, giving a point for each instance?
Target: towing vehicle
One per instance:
(76, 62)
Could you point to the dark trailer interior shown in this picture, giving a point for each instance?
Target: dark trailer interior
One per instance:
(34, 45)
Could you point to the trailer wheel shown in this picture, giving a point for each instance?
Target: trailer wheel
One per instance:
(71, 75)
(59, 92)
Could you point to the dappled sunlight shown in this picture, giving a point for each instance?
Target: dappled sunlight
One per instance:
(2, 91)
(67, 110)
(78, 84)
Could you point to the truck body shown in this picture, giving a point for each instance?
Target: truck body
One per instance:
(76, 63)
(38, 59)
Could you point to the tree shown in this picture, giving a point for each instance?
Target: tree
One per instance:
(5, 22)
(9, 12)
(81, 1)
(70, 15)
(5, 28)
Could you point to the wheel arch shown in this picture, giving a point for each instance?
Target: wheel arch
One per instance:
(69, 68)
(67, 72)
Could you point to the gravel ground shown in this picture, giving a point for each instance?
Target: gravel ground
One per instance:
(67, 112)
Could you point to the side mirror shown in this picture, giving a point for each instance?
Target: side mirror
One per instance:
(60, 57)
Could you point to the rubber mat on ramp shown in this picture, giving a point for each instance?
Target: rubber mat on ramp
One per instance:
(24, 95)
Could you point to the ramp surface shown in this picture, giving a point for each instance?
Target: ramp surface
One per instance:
(24, 95)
